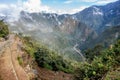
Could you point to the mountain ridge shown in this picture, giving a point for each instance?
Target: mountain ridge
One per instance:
(53, 29)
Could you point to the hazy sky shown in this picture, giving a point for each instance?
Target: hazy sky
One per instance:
(59, 6)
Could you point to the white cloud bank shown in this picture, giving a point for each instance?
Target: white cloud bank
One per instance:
(10, 11)
(68, 1)
(13, 10)
(29, 6)
(102, 2)
(94, 1)
(35, 6)
(73, 11)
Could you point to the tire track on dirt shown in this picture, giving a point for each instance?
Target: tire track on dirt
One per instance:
(15, 74)
(9, 66)
(15, 52)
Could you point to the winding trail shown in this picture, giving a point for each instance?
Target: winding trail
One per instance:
(9, 66)
(15, 74)
(79, 52)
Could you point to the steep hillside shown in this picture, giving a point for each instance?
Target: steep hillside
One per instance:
(49, 46)
(92, 16)
(22, 59)
(18, 64)
(10, 69)
(58, 32)
(106, 38)
(100, 18)
(54, 30)
(104, 66)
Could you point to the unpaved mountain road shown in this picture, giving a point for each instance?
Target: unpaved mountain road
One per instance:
(79, 52)
(9, 66)
(11, 70)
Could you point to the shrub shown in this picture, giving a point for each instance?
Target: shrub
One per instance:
(51, 60)
(3, 30)
(45, 57)
(20, 60)
(101, 65)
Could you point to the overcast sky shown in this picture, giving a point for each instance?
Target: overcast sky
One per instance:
(57, 6)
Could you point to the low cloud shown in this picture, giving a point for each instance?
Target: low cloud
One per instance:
(31, 6)
(10, 11)
(13, 10)
(93, 1)
(78, 9)
(35, 6)
(88, 0)
(68, 1)
(102, 2)
(72, 11)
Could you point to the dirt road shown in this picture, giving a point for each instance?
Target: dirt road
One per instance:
(9, 66)
(79, 52)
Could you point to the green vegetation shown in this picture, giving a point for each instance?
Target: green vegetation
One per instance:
(113, 75)
(107, 37)
(3, 30)
(100, 64)
(91, 53)
(47, 58)
(30, 46)
(107, 61)
(20, 60)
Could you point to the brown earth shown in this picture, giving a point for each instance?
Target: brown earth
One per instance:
(9, 66)
(10, 69)
(45, 74)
